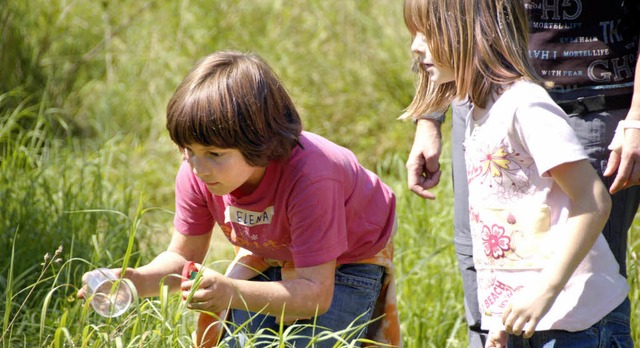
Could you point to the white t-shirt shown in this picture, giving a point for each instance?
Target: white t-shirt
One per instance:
(518, 213)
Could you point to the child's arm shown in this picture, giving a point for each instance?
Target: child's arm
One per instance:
(166, 267)
(590, 207)
(182, 248)
(307, 294)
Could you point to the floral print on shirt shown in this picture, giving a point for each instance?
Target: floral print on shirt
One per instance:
(502, 169)
(494, 241)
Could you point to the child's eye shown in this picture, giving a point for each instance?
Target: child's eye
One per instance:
(213, 154)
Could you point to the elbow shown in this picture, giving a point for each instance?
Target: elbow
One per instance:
(325, 298)
(606, 207)
(604, 204)
(322, 299)
(324, 307)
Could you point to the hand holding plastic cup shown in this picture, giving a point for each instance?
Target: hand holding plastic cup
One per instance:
(109, 296)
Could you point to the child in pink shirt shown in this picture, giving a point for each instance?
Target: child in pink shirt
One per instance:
(313, 228)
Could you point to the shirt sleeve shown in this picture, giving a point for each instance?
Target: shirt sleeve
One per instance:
(546, 134)
(193, 216)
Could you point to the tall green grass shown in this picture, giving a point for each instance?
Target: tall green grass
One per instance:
(85, 163)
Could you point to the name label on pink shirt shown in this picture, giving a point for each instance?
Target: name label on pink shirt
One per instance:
(247, 217)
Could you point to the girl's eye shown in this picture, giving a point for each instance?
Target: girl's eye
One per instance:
(213, 154)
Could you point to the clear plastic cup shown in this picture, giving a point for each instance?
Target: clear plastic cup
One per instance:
(109, 296)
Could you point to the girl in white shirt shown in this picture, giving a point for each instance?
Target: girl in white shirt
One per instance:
(546, 277)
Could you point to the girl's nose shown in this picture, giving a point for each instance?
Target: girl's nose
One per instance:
(419, 44)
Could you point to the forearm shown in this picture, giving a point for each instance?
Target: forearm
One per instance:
(167, 267)
(429, 128)
(588, 214)
(583, 227)
(625, 146)
(634, 110)
(148, 278)
(303, 292)
(299, 297)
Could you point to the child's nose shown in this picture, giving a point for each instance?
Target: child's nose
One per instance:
(415, 47)
(418, 45)
(199, 166)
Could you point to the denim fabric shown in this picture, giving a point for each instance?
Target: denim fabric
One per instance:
(613, 331)
(595, 132)
(357, 287)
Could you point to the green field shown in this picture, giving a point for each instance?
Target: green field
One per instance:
(87, 168)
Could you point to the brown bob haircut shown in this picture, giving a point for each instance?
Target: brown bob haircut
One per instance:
(235, 100)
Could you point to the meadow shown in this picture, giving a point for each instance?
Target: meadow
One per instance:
(87, 168)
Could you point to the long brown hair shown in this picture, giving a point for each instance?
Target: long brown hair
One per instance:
(235, 100)
(485, 42)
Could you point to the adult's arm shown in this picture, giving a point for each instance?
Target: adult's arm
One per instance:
(423, 163)
(626, 159)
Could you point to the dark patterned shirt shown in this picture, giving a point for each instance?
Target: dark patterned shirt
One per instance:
(586, 47)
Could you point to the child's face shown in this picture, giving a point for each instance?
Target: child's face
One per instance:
(437, 73)
(222, 170)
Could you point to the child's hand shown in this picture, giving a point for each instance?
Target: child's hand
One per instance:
(496, 339)
(526, 308)
(82, 292)
(213, 294)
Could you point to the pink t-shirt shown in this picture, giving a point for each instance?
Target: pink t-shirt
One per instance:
(318, 205)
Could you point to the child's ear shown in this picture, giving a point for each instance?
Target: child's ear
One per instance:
(183, 153)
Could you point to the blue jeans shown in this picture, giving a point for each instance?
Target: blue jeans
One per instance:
(595, 131)
(613, 331)
(356, 291)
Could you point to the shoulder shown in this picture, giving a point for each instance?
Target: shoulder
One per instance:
(529, 90)
(321, 161)
(316, 152)
(527, 109)
(317, 142)
(523, 99)
(530, 99)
